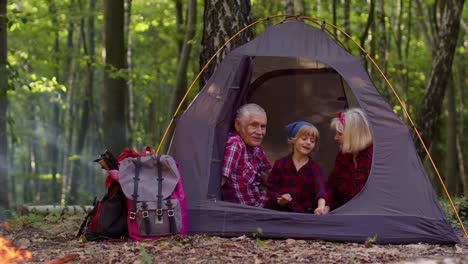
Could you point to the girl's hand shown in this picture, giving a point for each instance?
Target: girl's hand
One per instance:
(321, 209)
(284, 199)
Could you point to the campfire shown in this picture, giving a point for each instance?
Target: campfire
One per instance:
(10, 254)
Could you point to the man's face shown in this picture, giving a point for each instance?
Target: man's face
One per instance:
(253, 129)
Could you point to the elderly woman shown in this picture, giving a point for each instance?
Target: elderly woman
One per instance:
(353, 162)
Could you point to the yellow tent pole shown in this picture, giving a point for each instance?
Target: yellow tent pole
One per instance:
(289, 17)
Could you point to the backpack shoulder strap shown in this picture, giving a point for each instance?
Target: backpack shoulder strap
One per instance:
(86, 220)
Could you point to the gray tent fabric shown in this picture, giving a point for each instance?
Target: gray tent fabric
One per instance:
(296, 71)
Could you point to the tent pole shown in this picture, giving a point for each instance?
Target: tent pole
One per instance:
(324, 22)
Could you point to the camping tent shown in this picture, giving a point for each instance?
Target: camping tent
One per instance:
(297, 71)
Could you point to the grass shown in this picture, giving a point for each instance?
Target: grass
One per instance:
(461, 204)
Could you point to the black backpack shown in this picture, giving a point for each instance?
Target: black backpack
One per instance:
(108, 219)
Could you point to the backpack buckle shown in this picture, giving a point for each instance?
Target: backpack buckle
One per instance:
(159, 212)
(132, 215)
(170, 213)
(144, 214)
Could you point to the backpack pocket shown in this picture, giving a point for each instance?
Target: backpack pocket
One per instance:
(162, 222)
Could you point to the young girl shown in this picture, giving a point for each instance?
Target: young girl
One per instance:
(353, 163)
(296, 183)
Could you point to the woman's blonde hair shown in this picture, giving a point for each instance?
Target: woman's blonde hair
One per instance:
(356, 132)
(309, 131)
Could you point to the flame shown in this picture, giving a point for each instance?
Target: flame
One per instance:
(12, 255)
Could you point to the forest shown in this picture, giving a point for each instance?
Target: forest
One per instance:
(81, 76)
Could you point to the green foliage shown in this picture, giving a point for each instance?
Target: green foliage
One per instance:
(27, 220)
(258, 237)
(145, 258)
(370, 241)
(461, 204)
(34, 219)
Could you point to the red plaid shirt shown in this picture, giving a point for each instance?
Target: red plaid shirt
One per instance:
(345, 181)
(241, 167)
(305, 186)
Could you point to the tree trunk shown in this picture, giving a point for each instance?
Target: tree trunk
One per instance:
(370, 20)
(407, 52)
(179, 23)
(428, 115)
(382, 46)
(34, 150)
(461, 148)
(289, 7)
(12, 180)
(424, 25)
(65, 118)
(55, 122)
(451, 172)
(181, 75)
(73, 119)
(130, 102)
(346, 18)
(58, 209)
(299, 7)
(334, 8)
(4, 201)
(83, 124)
(90, 85)
(400, 64)
(221, 21)
(114, 123)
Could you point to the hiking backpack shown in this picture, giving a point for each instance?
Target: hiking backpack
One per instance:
(155, 196)
(108, 218)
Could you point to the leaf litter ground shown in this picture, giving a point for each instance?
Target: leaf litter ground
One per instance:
(55, 242)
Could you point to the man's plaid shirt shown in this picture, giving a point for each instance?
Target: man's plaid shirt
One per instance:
(241, 167)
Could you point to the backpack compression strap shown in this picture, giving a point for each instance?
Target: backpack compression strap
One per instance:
(136, 179)
(159, 211)
(170, 215)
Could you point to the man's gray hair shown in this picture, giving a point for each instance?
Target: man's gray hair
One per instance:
(244, 111)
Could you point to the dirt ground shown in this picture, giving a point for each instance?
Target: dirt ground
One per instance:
(55, 242)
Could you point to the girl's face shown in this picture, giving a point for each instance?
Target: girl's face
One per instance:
(339, 138)
(304, 145)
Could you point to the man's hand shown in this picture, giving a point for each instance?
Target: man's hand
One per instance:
(264, 176)
(223, 180)
(284, 199)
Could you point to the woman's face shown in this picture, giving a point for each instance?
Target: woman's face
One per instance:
(339, 138)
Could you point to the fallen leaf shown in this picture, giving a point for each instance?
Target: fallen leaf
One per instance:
(459, 250)
(6, 226)
(62, 260)
(23, 243)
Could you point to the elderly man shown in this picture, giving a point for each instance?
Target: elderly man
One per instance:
(245, 167)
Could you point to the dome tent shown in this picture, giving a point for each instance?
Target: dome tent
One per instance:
(296, 71)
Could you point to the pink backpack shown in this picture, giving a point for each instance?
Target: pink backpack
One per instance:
(155, 196)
